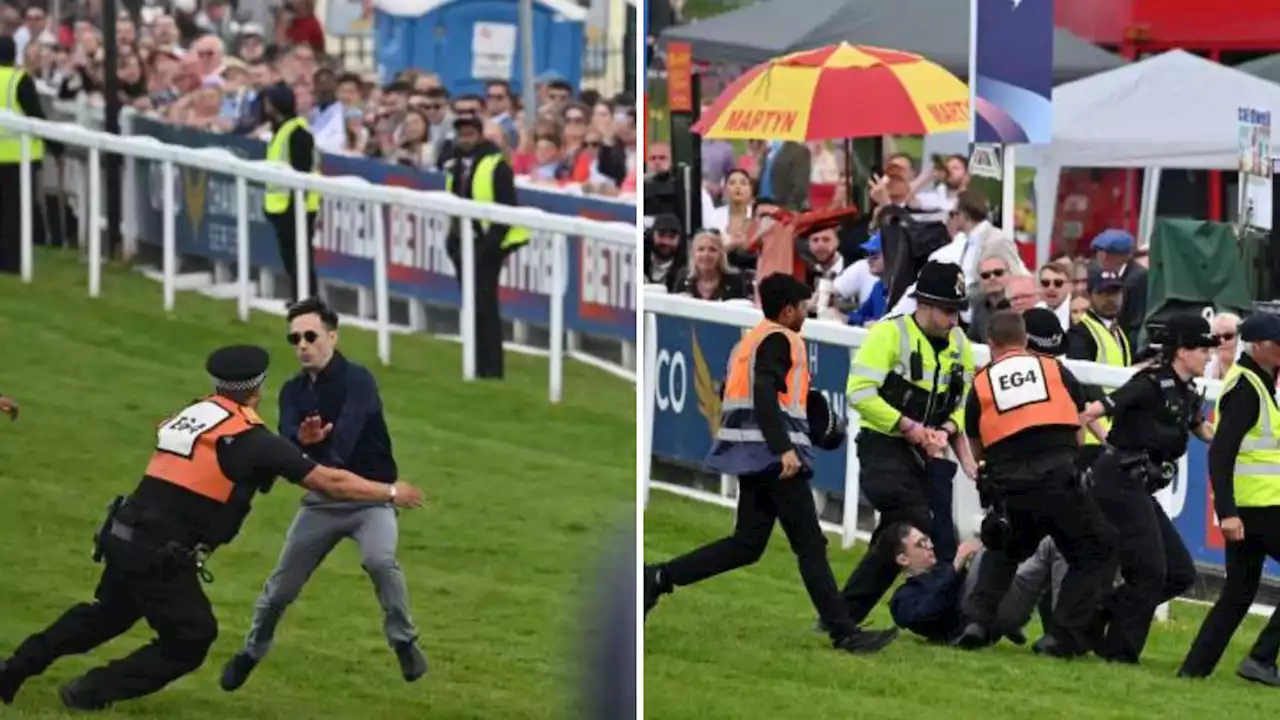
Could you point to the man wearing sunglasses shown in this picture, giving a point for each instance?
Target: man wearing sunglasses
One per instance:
(331, 409)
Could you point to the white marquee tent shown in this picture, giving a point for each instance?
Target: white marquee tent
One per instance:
(1173, 110)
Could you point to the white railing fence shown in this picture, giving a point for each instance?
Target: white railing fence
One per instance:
(218, 160)
(736, 314)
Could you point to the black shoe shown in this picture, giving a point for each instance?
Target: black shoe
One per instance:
(10, 682)
(865, 641)
(74, 697)
(974, 637)
(1017, 637)
(1259, 672)
(237, 670)
(413, 664)
(650, 588)
(1049, 646)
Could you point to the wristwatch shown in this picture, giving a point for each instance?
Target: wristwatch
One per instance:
(392, 499)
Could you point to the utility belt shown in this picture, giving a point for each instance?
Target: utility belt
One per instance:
(930, 409)
(168, 555)
(996, 529)
(1140, 469)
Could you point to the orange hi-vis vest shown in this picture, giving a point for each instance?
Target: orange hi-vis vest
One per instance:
(1019, 391)
(186, 452)
(739, 447)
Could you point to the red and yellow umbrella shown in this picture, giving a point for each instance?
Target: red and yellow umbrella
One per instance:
(840, 91)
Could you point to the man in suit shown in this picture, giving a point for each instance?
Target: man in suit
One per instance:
(1113, 252)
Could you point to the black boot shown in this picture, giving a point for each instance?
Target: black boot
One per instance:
(655, 586)
(865, 641)
(237, 670)
(413, 664)
(10, 682)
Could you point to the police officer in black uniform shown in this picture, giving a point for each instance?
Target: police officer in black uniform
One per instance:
(1153, 416)
(209, 461)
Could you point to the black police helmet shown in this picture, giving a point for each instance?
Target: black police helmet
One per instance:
(827, 430)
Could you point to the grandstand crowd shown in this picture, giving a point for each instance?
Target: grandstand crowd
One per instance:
(745, 194)
(205, 64)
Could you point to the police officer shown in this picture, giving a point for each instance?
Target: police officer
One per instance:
(1022, 419)
(1099, 337)
(478, 171)
(765, 439)
(1152, 417)
(1243, 462)
(209, 460)
(21, 97)
(292, 145)
(906, 384)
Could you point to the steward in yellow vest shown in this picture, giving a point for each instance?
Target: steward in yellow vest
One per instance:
(1098, 337)
(1244, 468)
(907, 383)
(291, 145)
(766, 440)
(478, 171)
(18, 94)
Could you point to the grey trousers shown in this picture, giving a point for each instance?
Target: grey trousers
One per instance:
(1039, 574)
(314, 532)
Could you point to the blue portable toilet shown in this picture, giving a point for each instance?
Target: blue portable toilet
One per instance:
(467, 42)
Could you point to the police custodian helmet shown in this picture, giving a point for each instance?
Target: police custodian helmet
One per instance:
(827, 430)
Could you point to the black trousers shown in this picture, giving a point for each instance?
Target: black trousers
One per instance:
(903, 489)
(762, 499)
(1154, 563)
(287, 240)
(11, 216)
(1244, 574)
(490, 259)
(1043, 497)
(134, 586)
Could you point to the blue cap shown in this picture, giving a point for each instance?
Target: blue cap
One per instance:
(872, 246)
(1113, 241)
(548, 76)
(1260, 327)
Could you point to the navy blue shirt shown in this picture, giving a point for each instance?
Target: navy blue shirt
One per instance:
(928, 604)
(343, 393)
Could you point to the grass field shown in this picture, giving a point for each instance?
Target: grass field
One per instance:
(740, 646)
(522, 497)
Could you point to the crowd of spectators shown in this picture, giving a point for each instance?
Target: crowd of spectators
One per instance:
(204, 65)
(745, 194)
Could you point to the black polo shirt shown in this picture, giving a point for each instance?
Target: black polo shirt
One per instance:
(343, 393)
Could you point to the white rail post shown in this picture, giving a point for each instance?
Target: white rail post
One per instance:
(242, 248)
(559, 279)
(170, 250)
(301, 246)
(25, 235)
(468, 299)
(94, 223)
(648, 399)
(381, 299)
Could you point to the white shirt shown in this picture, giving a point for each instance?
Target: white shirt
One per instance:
(1063, 311)
(856, 282)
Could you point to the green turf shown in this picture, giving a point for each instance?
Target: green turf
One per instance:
(741, 646)
(521, 495)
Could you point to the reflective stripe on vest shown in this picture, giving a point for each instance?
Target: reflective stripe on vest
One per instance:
(910, 335)
(1107, 351)
(277, 197)
(739, 446)
(1020, 391)
(482, 190)
(1257, 468)
(186, 452)
(11, 142)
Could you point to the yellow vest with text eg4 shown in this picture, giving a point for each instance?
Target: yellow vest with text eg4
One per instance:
(1109, 352)
(1257, 469)
(276, 198)
(11, 142)
(482, 191)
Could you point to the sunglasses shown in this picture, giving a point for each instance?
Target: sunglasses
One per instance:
(1052, 283)
(991, 274)
(296, 339)
(1226, 337)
